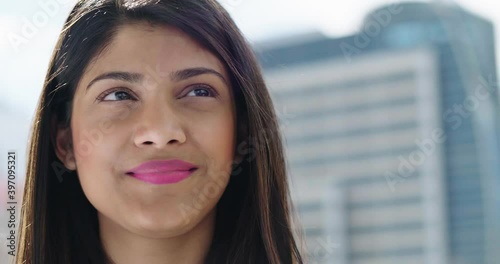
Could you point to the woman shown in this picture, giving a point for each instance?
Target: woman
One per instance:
(155, 141)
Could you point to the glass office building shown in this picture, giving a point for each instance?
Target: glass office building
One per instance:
(392, 136)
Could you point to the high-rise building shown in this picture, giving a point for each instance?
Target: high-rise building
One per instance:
(392, 136)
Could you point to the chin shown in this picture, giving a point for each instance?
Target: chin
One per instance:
(161, 227)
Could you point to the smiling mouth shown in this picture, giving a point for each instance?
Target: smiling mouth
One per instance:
(161, 172)
(162, 177)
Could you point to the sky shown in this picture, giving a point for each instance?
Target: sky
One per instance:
(24, 61)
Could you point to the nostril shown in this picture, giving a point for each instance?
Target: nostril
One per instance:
(173, 141)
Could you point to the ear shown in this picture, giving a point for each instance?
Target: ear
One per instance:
(63, 145)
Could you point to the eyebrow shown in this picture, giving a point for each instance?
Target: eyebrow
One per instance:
(176, 76)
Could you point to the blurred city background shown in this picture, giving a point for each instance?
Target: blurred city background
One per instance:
(390, 112)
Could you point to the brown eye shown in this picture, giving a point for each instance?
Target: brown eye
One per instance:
(202, 91)
(116, 95)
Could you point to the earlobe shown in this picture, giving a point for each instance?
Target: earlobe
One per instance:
(64, 148)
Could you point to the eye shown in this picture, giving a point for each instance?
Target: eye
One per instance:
(118, 94)
(202, 91)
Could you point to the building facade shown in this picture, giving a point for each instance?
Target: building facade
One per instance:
(392, 136)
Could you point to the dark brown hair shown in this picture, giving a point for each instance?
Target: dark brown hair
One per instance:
(254, 215)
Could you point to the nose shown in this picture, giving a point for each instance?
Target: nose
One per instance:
(158, 126)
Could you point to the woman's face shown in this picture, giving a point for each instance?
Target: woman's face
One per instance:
(153, 94)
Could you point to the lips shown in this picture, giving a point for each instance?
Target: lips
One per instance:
(163, 171)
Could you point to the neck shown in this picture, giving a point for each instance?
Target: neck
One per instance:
(125, 247)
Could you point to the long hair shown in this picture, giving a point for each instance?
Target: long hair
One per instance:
(254, 222)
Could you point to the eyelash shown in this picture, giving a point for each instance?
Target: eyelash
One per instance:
(110, 91)
(211, 90)
(130, 93)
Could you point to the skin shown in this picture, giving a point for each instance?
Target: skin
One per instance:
(157, 118)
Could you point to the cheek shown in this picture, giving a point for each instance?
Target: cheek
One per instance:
(93, 139)
(217, 140)
(98, 132)
(97, 145)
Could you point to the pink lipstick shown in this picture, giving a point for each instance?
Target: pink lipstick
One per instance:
(162, 171)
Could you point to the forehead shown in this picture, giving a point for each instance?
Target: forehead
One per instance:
(142, 47)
